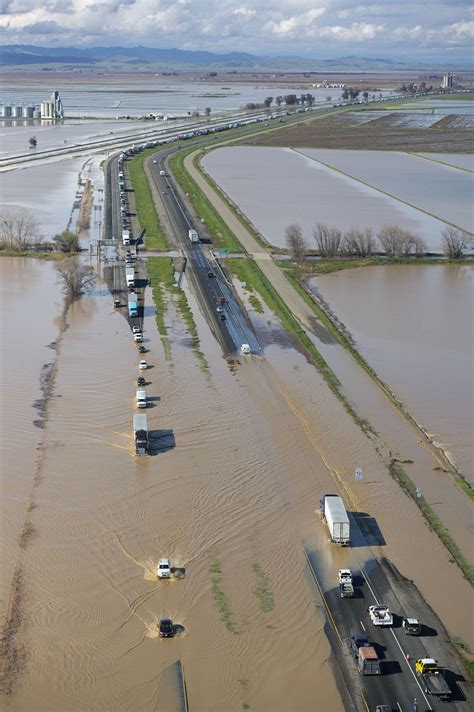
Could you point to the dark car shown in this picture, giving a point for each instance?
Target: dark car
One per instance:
(358, 641)
(141, 350)
(117, 303)
(141, 381)
(222, 317)
(210, 274)
(166, 628)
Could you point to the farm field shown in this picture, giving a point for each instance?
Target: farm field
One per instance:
(278, 186)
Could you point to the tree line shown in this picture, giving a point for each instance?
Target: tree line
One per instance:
(19, 232)
(392, 240)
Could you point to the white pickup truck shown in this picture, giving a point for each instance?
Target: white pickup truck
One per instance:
(163, 570)
(380, 615)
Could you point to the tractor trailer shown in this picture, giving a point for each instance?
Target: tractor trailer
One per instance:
(140, 433)
(132, 305)
(130, 276)
(334, 513)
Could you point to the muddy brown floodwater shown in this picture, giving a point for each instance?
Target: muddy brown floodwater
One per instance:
(414, 325)
(240, 461)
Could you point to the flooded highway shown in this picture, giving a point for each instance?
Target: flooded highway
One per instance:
(241, 460)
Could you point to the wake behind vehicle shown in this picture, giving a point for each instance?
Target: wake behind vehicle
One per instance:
(166, 629)
(163, 570)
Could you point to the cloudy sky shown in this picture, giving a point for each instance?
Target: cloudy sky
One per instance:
(431, 29)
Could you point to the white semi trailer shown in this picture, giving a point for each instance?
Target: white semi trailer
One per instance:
(193, 235)
(130, 276)
(334, 513)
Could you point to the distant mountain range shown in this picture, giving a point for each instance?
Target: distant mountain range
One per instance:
(149, 57)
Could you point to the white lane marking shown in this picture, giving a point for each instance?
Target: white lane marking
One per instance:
(396, 640)
(398, 705)
(363, 626)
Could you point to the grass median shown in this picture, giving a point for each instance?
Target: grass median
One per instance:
(155, 238)
(220, 233)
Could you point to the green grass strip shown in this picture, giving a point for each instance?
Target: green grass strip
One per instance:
(155, 238)
(407, 484)
(257, 280)
(220, 233)
(263, 591)
(219, 596)
(337, 264)
(465, 654)
(241, 269)
(161, 273)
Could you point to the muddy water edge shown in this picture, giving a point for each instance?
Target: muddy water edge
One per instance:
(210, 498)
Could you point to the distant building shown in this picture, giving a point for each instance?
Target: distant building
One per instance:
(447, 81)
(47, 110)
(52, 109)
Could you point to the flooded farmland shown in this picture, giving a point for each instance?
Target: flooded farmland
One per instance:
(414, 327)
(278, 186)
(240, 462)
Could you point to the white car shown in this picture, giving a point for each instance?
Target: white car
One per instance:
(245, 348)
(345, 576)
(138, 337)
(143, 365)
(154, 160)
(162, 173)
(163, 570)
(380, 615)
(136, 330)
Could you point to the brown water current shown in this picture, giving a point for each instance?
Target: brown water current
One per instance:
(102, 518)
(242, 459)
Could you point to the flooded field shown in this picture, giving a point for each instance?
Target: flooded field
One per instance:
(241, 459)
(414, 327)
(276, 186)
(441, 190)
(460, 160)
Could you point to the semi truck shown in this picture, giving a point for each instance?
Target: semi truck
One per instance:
(433, 678)
(132, 305)
(140, 433)
(140, 398)
(130, 276)
(334, 513)
(126, 237)
(193, 235)
(368, 662)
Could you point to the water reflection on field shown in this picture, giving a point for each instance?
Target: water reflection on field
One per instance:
(414, 327)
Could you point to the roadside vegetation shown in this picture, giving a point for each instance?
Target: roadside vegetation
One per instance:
(222, 236)
(407, 484)
(161, 275)
(220, 598)
(75, 278)
(466, 655)
(155, 238)
(263, 591)
(241, 270)
(20, 237)
(256, 280)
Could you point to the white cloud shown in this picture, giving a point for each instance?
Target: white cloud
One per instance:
(328, 27)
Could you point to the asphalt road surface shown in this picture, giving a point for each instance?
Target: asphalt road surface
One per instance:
(207, 278)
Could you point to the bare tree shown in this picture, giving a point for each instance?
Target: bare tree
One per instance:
(207, 111)
(18, 229)
(419, 246)
(454, 242)
(328, 240)
(392, 240)
(295, 242)
(75, 278)
(359, 243)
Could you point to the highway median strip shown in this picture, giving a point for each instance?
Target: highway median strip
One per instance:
(220, 598)
(155, 239)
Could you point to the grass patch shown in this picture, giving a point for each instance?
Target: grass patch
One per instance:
(465, 654)
(263, 591)
(46, 255)
(255, 304)
(255, 279)
(221, 235)
(326, 266)
(155, 238)
(241, 269)
(161, 273)
(407, 484)
(220, 598)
